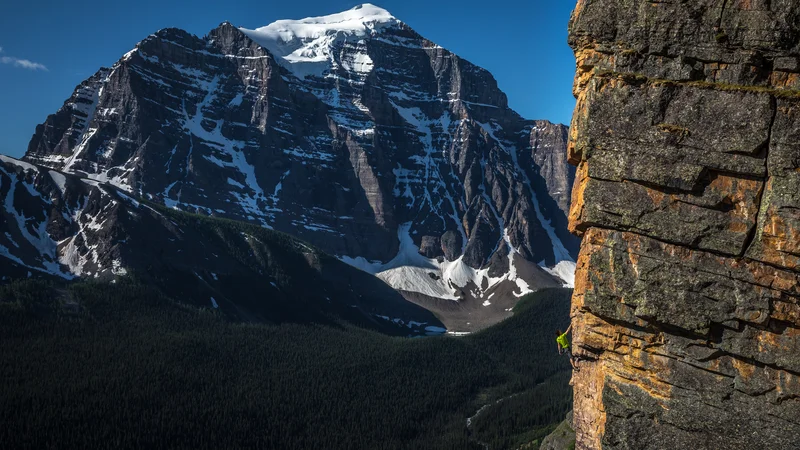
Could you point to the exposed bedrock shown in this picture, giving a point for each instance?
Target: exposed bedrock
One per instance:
(687, 195)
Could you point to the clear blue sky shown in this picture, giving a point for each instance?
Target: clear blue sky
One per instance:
(522, 42)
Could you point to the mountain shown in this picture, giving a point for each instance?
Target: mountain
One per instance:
(61, 226)
(350, 131)
(686, 310)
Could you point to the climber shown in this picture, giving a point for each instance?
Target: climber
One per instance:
(562, 342)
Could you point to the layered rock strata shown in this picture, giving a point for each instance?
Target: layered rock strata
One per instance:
(687, 195)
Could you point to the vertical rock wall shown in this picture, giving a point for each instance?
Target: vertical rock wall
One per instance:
(686, 135)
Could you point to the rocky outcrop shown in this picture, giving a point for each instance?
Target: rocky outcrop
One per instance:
(562, 438)
(350, 131)
(686, 308)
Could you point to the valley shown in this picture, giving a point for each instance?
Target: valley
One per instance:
(125, 365)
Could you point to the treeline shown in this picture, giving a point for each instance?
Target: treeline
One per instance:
(96, 365)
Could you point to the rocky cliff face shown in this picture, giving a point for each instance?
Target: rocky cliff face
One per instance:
(686, 306)
(58, 225)
(350, 131)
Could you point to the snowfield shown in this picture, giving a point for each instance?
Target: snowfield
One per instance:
(306, 46)
(410, 271)
(564, 270)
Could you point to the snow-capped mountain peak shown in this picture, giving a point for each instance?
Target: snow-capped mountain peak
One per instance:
(305, 46)
(383, 148)
(360, 19)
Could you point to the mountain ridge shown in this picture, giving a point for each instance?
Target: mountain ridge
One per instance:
(346, 158)
(70, 228)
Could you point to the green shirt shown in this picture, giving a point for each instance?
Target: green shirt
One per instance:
(563, 341)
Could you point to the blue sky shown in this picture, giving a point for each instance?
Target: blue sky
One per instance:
(49, 47)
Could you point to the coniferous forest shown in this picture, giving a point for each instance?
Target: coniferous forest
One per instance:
(99, 365)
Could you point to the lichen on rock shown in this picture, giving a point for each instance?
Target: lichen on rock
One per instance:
(686, 308)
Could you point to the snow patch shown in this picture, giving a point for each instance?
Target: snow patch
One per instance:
(564, 270)
(233, 182)
(236, 100)
(308, 47)
(60, 180)
(459, 333)
(128, 198)
(117, 269)
(16, 162)
(410, 271)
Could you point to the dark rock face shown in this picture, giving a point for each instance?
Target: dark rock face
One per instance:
(431, 246)
(555, 176)
(58, 225)
(395, 130)
(547, 143)
(686, 305)
(451, 244)
(562, 438)
(52, 225)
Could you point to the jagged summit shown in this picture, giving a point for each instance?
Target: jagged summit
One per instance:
(306, 46)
